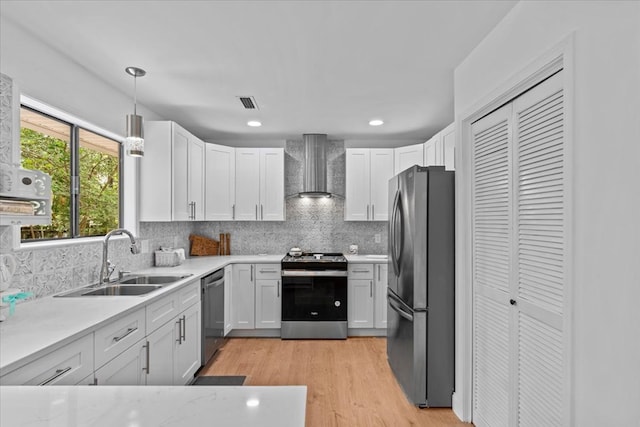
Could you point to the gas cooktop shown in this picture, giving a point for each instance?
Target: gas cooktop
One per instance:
(315, 257)
(315, 261)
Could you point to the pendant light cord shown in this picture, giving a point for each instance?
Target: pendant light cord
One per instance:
(135, 91)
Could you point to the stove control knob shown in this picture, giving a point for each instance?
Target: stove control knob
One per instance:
(337, 303)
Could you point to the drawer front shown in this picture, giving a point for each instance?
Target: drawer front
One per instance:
(119, 335)
(68, 365)
(188, 295)
(360, 271)
(268, 271)
(161, 311)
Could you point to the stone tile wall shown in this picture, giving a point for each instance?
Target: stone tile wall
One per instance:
(68, 265)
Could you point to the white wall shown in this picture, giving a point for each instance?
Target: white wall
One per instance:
(606, 177)
(54, 78)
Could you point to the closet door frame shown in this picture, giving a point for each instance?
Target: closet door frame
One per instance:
(559, 57)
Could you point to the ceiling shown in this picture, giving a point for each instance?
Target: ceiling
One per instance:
(312, 66)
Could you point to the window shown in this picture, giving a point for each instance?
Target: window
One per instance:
(85, 169)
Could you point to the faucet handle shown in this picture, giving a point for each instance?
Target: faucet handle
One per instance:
(110, 269)
(121, 274)
(135, 247)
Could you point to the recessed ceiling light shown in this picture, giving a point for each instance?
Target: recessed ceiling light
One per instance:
(254, 123)
(376, 122)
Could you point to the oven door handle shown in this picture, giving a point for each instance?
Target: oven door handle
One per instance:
(312, 273)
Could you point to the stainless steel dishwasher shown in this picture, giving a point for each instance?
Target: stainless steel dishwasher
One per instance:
(212, 314)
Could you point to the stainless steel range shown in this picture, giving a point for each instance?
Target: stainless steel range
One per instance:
(314, 296)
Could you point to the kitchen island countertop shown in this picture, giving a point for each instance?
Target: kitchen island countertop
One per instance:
(222, 406)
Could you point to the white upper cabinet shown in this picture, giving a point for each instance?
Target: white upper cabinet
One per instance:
(449, 147)
(220, 182)
(381, 173)
(259, 184)
(358, 166)
(272, 184)
(173, 163)
(433, 151)
(405, 157)
(440, 149)
(247, 183)
(367, 176)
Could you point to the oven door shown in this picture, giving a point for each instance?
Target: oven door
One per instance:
(314, 298)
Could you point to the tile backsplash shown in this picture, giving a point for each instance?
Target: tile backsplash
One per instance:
(311, 224)
(68, 265)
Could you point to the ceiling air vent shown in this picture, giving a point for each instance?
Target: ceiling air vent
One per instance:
(249, 102)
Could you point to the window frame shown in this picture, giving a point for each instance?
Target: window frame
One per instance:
(75, 125)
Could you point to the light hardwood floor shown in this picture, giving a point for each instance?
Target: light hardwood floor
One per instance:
(349, 382)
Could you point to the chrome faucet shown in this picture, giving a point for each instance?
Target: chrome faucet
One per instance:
(107, 268)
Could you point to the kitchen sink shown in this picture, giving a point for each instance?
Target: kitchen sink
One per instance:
(149, 279)
(138, 284)
(122, 290)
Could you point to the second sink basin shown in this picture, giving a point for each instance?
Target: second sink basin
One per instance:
(150, 280)
(115, 290)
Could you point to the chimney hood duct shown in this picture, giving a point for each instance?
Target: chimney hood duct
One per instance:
(315, 165)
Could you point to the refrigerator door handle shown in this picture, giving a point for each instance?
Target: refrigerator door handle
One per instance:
(394, 214)
(395, 305)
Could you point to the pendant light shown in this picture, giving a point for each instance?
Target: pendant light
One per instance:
(134, 142)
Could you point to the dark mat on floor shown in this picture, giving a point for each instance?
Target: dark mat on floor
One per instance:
(219, 380)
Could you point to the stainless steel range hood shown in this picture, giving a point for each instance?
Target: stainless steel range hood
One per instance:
(315, 165)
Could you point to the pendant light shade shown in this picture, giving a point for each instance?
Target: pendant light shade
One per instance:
(134, 142)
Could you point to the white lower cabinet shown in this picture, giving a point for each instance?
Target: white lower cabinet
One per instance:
(268, 296)
(381, 282)
(360, 296)
(161, 347)
(243, 297)
(118, 335)
(69, 365)
(228, 286)
(128, 368)
(169, 354)
(187, 351)
(268, 304)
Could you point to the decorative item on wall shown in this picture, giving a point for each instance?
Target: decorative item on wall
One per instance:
(134, 141)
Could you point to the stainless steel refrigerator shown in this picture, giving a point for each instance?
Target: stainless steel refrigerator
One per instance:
(420, 322)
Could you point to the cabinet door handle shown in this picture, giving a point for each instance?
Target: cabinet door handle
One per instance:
(371, 288)
(129, 332)
(59, 373)
(146, 346)
(251, 276)
(373, 212)
(194, 210)
(268, 271)
(278, 288)
(233, 211)
(256, 212)
(379, 268)
(184, 327)
(261, 212)
(367, 212)
(360, 271)
(179, 323)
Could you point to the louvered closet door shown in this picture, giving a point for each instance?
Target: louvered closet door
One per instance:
(540, 224)
(492, 260)
(519, 254)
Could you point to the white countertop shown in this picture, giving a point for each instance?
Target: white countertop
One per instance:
(45, 324)
(220, 406)
(366, 259)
